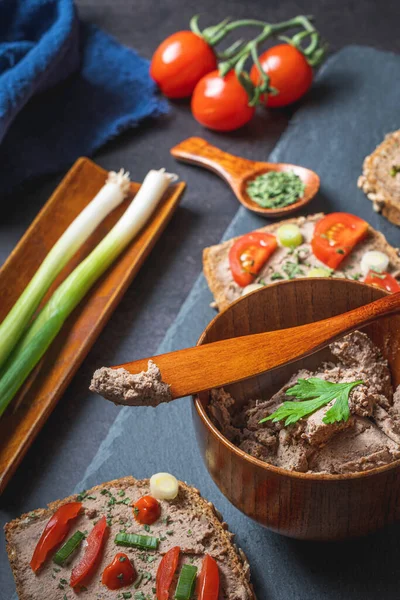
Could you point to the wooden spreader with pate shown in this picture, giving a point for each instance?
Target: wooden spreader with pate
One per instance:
(146, 540)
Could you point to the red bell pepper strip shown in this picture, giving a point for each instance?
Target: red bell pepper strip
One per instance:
(95, 542)
(165, 573)
(208, 582)
(147, 510)
(54, 532)
(119, 573)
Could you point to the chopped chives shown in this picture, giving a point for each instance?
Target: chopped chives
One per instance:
(68, 548)
(276, 189)
(184, 589)
(145, 542)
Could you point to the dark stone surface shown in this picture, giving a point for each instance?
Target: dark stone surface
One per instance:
(67, 444)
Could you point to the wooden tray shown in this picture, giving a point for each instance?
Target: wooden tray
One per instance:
(19, 427)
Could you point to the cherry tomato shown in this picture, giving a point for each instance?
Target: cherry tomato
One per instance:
(180, 62)
(384, 281)
(221, 103)
(95, 542)
(289, 73)
(208, 582)
(165, 573)
(248, 254)
(335, 236)
(54, 532)
(147, 510)
(119, 573)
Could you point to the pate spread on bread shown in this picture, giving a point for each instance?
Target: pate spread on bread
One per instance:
(380, 179)
(187, 521)
(286, 263)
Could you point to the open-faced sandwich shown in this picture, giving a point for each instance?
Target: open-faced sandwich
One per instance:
(333, 245)
(155, 539)
(380, 179)
(342, 418)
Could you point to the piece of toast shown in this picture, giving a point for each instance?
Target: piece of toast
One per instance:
(190, 522)
(225, 290)
(380, 179)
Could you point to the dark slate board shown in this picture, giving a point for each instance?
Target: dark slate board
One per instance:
(354, 103)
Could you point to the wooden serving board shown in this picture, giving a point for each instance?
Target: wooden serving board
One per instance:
(19, 426)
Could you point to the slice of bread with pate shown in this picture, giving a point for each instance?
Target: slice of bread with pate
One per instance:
(188, 521)
(285, 263)
(380, 179)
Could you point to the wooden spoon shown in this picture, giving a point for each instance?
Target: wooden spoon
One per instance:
(238, 172)
(225, 362)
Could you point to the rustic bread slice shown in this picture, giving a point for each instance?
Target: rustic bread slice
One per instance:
(381, 177)
(225, 290)
(193, 524)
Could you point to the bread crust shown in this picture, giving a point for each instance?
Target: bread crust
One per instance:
(213, 254)
(373, 186)
(235, 554)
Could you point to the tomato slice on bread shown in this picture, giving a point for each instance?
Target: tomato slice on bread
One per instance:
(165, 573)
(89, 560)
(54, 532)
(384, 281)
(335, 237)
(249, 254)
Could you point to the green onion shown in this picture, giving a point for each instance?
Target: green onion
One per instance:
(17, 320)
(68, 548)
(145, 542)
(69, 294)
(185, 587)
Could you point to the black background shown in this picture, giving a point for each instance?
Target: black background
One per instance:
(152, 302)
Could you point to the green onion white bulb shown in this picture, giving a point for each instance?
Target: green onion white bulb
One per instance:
(319, 272)
(373, 260)
(16, 321)
(69, 294)
(289, 235)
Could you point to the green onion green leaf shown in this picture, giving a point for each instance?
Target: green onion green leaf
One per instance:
(70, 546)
(134, 540)
(185, 587)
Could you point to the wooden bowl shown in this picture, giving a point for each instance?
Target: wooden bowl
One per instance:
(299, 505)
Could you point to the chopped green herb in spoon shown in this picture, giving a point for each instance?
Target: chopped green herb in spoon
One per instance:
(276, 189)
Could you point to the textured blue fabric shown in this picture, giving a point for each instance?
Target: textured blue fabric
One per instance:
(65, 88)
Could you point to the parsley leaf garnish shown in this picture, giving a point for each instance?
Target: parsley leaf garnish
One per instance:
(315, 393)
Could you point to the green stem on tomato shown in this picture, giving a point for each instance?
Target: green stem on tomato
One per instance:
(237, 54)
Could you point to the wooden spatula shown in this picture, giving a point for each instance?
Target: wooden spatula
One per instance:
(221, 363)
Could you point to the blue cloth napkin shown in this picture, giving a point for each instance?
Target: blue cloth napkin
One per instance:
(65, 89)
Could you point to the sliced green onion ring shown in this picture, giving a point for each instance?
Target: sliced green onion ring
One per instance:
(134, 540)
(185, 587)
(70, 546)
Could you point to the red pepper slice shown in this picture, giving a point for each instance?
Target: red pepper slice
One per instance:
(147, 510)
(208, 582)
(54, 532)
(93, 549)
(249, 254)
(335, 237)
(384, 281)
(119, 573)
(165, 573)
